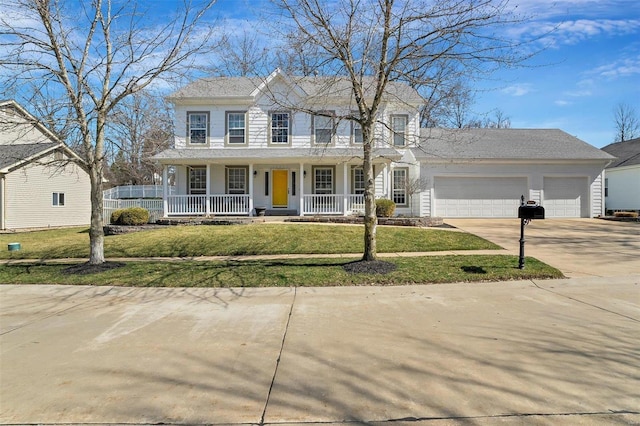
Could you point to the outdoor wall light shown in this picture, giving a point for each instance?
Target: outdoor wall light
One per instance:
(304, 173)
(255, 173)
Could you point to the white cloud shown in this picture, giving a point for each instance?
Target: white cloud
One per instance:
(562, 103)
(519, 89)
(622, 68)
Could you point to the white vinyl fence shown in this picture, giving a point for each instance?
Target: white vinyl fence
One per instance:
(111, 205)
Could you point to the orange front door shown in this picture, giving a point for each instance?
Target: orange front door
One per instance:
(280, 192)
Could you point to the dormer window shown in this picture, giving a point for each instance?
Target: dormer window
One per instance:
(198, 127)
(280, 128)
(399, 129)
(323, 129)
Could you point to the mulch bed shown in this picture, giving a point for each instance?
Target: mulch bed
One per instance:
(370, 267)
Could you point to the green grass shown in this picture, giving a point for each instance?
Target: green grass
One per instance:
(280, 273)
(189, 241)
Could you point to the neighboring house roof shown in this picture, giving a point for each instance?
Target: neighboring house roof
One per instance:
(14, 155)
(504, 144)
(627, 153)
(245, 87)
(266, 153)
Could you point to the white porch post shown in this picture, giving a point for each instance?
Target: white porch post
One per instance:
(301, 191)
(345, 188)
(389, 182)
(165, 191)
(251, 178)
(207, 205)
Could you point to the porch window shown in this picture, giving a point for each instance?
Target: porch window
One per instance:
(280, 128)
(323, 128)
(398, 129)
(323, 180)
(357, 180)
(236, 180)
(198, 127)
(400, 186)
(197, 180)
(356, 133)
(58, 199)
(236, 128)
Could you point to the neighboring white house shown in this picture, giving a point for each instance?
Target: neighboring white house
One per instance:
(623, 176)
(41, 183)
(243, 142)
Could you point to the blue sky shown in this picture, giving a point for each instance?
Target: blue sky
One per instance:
(590, 63)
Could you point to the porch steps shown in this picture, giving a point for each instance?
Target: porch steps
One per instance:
(281, 212)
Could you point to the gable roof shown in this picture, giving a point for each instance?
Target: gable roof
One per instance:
(247, 87)
(14, 155)
(627, 153)
(504, 144)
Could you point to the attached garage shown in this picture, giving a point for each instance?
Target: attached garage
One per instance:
(478, 196)
(566, 196)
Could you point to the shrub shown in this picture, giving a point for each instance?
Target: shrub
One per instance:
(625, 214)
(385, 208)
(130, 216)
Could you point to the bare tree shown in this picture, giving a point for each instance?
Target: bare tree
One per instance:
(374, 43)
(626, 121)
(141, 127)
(413, 186)
(499, 120)
(89, 57)
(242, 54)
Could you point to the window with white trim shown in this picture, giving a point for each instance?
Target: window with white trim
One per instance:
(323, 129)
(280, 128)
(236, 180)
(58, 199)
(399, 129)
(323, 180)
(198, 127)
(356, 133)
(236, 128)
(357, 180)
(197, 180)
(400, 186)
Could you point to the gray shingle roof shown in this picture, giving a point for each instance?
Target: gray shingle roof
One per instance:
(265, 154)
(226, 87)
(12, 154)
(504, 144)
(627, 153)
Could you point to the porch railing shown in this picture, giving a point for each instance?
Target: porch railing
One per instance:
(153, 206)
(227, 204)
(355, 203)
(322, 204)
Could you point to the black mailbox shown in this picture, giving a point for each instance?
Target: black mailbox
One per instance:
(529, 211)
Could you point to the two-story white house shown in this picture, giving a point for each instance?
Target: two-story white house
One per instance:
(286, 145)
(245, 143)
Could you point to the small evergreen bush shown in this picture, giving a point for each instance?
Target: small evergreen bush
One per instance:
(131, 216)
(385, 208)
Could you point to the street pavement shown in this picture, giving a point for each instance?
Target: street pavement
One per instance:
(530, 352)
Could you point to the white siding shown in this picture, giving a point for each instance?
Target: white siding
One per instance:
(624, 188)
(29, 194)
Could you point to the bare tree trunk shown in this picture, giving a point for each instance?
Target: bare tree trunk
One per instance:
(370, 218)
(96, 233)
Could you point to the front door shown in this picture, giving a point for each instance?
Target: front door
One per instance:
(280, 184)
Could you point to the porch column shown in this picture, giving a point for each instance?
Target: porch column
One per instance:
(207, 205)
(165, 190)
(388, 181)
(251, 178)
(301, 191)
(345, 188)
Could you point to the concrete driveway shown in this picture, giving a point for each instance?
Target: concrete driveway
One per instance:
(578, 247)
(535, 353)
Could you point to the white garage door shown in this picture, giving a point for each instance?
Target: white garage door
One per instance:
(479, 196)
(565, 197)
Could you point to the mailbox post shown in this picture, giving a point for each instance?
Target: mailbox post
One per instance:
(527, 212)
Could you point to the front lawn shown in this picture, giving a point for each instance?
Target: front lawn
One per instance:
(190, 241)
(290, 272)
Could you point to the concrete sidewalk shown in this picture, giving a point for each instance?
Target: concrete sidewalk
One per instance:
(547, 352)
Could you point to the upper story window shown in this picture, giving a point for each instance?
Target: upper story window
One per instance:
(197, 180)
(323, 129)
(237, 180)
(280, 128)
(399, 129)
(236, 128)
(197, 127)
(356, 133)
